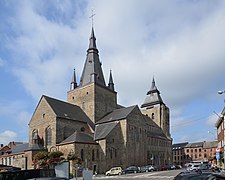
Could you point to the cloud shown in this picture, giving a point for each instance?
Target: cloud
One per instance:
(180, 43)
(7, 136)
(15, 112)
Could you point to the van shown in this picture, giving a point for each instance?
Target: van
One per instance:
(114, 171)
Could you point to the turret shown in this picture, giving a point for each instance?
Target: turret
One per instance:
(155, 108)
(111, 84)
(73, 83)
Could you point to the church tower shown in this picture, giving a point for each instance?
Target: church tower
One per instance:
(92, 95)
(155, 108)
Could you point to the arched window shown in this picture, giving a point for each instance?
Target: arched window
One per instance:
(35, 136)
(153, 115)
(48, 136)
(93, 155)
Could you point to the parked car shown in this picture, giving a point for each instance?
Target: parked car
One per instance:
(49, 178)
(164, 167)
(172, 167)
(132, 169)
(214, 176)
(114, 171)
(147, 168)
(156, 168)
(192, 167)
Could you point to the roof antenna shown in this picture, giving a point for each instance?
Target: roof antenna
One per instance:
(92, 15)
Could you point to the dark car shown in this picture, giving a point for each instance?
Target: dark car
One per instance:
(131, 169)
(147, 168)
(156, 168)
(195, 175)
(50, 178)
(215, 176)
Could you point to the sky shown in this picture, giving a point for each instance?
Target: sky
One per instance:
(178, 42)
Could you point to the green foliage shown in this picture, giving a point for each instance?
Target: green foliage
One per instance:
(44, 159)
(41, 155)
(55, 154)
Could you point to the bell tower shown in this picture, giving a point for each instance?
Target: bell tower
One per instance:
(92, 95)
(155, 108)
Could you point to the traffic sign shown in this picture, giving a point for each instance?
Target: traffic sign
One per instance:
(217, 155)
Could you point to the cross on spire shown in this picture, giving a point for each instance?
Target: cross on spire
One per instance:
(92, 15)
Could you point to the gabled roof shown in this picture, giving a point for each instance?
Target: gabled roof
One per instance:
(210, 144)
(34, 147)
(194, 145)
(19, 148)
(69, 111)
(102, 130)
(79, 137)
(117, 114)
(179, 145)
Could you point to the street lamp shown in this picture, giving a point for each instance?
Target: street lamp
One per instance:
(221, 92)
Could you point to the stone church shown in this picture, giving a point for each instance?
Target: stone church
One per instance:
(93, 126)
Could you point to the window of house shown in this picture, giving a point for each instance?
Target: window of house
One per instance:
(48, 136)
(153, 115)
(82, 154)
(97, 154)
(82, 129)
(93, 155)
(111, 153)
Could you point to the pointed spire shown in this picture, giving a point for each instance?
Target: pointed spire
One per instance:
(153, 87)
(92, 41)
(73, 83)
(111, 84)
(153, 96)
(92, 71)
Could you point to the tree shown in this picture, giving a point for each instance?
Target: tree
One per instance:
(45, 159)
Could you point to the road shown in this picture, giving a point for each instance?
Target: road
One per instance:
(168, 175)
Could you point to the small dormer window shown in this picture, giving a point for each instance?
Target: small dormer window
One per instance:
(43, 115)
(153, 115)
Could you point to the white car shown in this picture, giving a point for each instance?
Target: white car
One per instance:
(192, 167)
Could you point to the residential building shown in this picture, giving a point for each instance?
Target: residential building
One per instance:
(184, 153)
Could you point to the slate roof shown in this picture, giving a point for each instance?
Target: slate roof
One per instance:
(179, 145)
(193, 145)
(79, 137)
(117, 114)
(153, 96)
(34, 147)
(92, 71)
(210, 144)
(19, 148)
(102, 130)
(69, 111)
